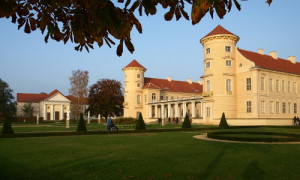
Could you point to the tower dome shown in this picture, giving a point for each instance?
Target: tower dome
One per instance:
(219, 33)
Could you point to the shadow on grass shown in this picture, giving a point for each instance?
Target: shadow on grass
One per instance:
(253, 171)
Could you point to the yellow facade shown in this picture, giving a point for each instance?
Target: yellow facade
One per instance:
(236, 82)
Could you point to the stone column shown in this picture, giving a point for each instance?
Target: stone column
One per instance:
(169, 110)
(162, 115)
(176, 110)
(201, 110)
(68, 119)
(37, 118)
(193, 109)
(184, 109)
(99, 119)
(89, 118)
(155, 111)
(61, 112)
(53, 113)
(150, 111)
(45, 112)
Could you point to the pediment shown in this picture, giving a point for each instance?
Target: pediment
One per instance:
(58, 97)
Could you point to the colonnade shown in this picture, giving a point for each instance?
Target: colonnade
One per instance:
(52, 111)
(175, 109)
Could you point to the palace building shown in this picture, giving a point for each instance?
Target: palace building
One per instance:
(52, 106)
(251, 88)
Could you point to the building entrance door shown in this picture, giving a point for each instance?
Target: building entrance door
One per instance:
(48, 116)
(56, 115)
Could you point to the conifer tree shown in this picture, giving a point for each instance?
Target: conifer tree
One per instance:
(7, 129)
(140, 124)
(186, 123)
(81, 124)
(223, 122)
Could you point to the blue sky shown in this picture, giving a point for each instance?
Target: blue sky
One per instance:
(29, 65)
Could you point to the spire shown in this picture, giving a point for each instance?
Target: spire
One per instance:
(135, 64)
(219, 30)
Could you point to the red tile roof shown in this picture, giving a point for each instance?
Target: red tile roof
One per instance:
(219, 30)
(268, 62)
(175, 86)
(35, 98)
(134, 63)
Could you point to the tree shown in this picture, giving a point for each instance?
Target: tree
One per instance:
(94, 22)
(223, 122)
(106, 98)
(7, 103)
(28, 109)
(7, 107)
(140, 124)
(79, 82)
(81, 124)
(186, 123)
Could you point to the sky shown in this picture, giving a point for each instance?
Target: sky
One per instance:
(165, 48)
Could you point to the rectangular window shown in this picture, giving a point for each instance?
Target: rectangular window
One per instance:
(138, 99)
(207, 50)
(282, 85)
(248, 104)
(228, 62)
(295, 108)
(207, 111)
(277, 85)
(207, 64)
(277, 107)
(153, 96)
(138, 76)
(283, 108)
(161, 97)
(227, 48)
(271, 107)
(294, 87)
(167, 98)
(145, 98)
(262, 83)
(228, 85)
(263, 106)
(138, 84)
(289, 107)
(289, 87)
(248, 83)
(271, 84)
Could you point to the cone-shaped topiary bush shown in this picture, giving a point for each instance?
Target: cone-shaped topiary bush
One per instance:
(7, 129)
(186, 123)
(223, 122)
(81, 124)
(140, 124)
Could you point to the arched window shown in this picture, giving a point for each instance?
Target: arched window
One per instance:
(228, 85)
(138, 99)
(207, 85)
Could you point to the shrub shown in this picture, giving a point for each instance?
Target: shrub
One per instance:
(7, 129)
(223, 122)
(140, 124)
(125, 121)
(81, 124)
(186, 123)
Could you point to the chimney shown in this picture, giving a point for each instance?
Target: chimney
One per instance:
(169, 78)
(190, 81)
(261, 51)
(292, 59)
(273, 54)
(200, 82)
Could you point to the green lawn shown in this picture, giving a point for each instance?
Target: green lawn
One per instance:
(164, 155)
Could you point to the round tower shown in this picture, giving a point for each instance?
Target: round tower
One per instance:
(219, 74)
(133, 91)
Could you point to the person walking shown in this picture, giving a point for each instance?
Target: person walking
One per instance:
(108, 123)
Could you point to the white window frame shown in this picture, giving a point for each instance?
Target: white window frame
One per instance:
(277, 107)
(289, 87)
(271, 107)
(294, 87)
(138, 76)
(271, 84)
(228, 85)
(227, 48)
(277, 85)
(283, 107)
(262, 83)
(295, 108)
(207, 50)
(248, 107)
(153, 96)
(248, 84)
(263, 106)
(138, 99)
(207, 65)
(282, 85)
(228, 63)
(207, 111)
(208, 88)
